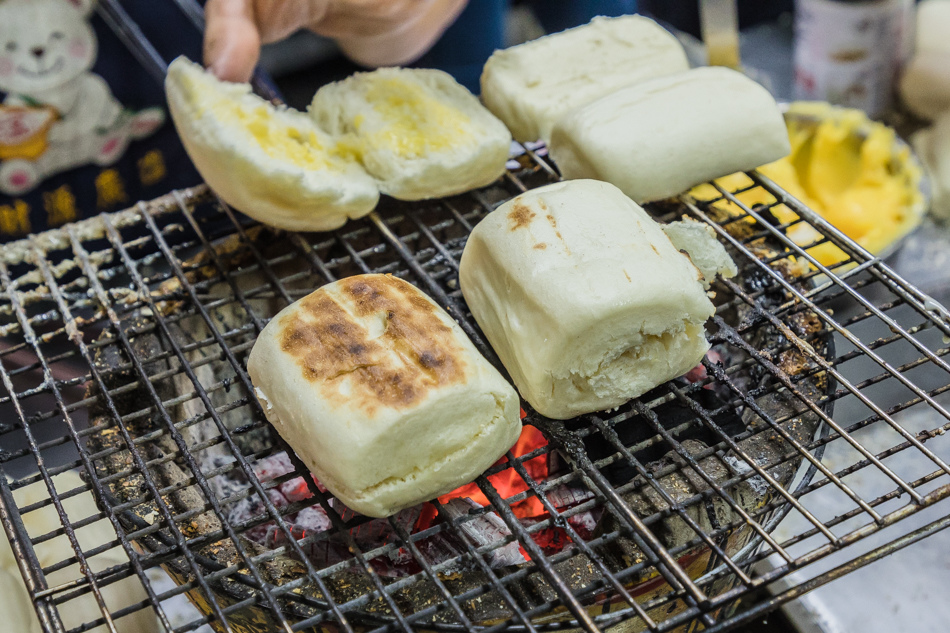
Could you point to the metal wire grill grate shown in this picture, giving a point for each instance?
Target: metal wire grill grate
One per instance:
(125, 343)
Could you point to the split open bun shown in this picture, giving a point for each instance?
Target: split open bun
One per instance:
(381, 394)
(410, 133)
(271, 163)
(418, 132)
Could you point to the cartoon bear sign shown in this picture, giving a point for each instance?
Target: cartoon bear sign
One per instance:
(57, 114)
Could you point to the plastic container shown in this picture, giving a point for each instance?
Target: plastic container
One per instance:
(849, 52)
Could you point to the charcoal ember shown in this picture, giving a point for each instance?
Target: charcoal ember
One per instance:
(698, 373)
(378, 532)
(551, 539)
(323, 553)
(278, 465)
(564, 496)
(323, 550)
(296, 489)
(439, 550)
(251, 507)
(277, 498)
(401, 557)
(273, 466)
(397, 562)
(486, 529)
(312, 519)
(585, 523)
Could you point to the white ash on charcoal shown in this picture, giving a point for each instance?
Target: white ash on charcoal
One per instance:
(487, 529)
(251, 507)
(398, 561)
(313, 519)
(322, 548)
(273, 466)
(328, 547)
(565, 497)
(378, 532)
(325, 546)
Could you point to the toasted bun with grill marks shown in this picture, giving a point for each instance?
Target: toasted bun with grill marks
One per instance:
(381, 394)
(417, 131)
(272, 163)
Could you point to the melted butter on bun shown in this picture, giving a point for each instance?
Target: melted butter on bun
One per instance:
(272, 163)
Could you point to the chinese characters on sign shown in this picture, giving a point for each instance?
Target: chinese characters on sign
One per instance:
(60, 203)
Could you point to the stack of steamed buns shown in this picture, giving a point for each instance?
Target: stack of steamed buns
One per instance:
(587, 301)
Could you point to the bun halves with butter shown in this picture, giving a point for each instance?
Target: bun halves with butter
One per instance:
(416, 131)
(658, 138)
(532, 85)
(271, 163)
(584, 297)
(381, 394)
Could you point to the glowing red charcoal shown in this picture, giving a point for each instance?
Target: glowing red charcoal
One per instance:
(508, 482)
(483, 529)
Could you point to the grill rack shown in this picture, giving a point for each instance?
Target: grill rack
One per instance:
(147, 245)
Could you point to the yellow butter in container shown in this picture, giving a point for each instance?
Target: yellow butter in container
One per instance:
(852, 171)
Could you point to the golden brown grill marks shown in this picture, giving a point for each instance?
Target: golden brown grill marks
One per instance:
(553, 222)
(520, 216)
(414, 354)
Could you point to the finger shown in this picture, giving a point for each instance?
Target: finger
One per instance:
(232, 43)
(277, 19)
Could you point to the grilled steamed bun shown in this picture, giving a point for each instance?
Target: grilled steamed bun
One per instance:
(272, 163)
(583, 296)
(532, 85)
(417, 131)
(381, 394)
(658, 138)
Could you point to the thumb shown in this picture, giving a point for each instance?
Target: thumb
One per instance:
(232, 42)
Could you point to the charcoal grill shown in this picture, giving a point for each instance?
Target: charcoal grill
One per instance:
(153, 311)
(126, 337)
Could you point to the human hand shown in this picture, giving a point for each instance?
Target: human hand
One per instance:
(370, 32)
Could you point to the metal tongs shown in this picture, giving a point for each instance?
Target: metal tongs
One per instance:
(129, 33)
